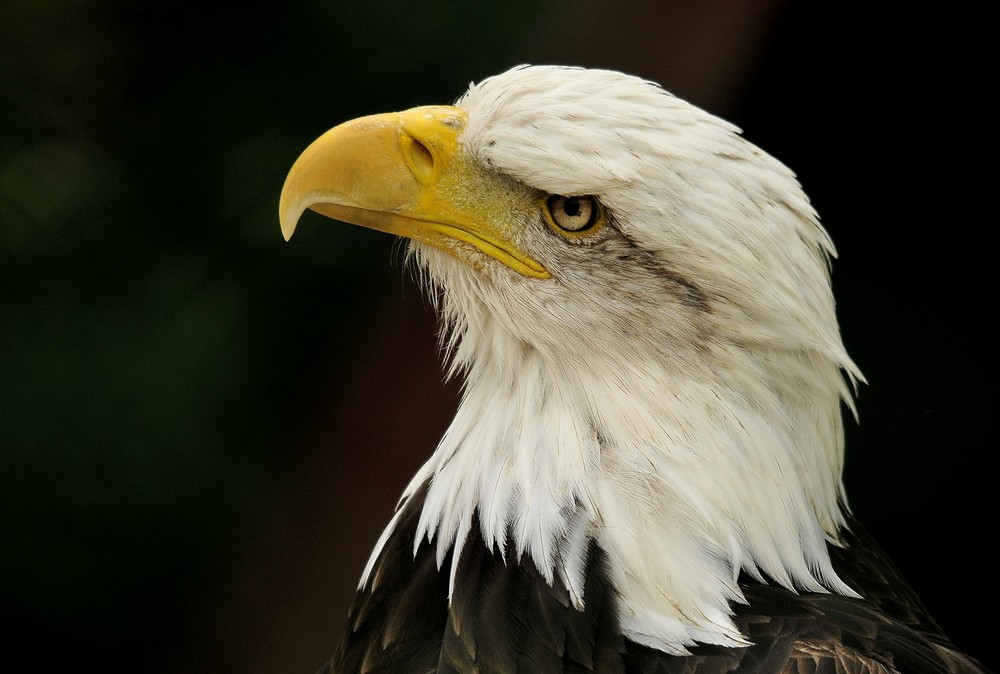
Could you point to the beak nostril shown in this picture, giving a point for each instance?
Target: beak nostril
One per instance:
(418, 157)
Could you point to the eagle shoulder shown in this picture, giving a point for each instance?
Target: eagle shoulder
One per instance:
(505, 618)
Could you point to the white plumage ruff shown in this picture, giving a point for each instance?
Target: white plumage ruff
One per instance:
(690, 441)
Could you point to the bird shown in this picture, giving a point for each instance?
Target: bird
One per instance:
(644, 473)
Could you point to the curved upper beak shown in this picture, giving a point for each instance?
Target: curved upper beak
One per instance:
(402, 173)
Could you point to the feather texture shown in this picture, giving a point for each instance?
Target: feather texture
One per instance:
(507, 618)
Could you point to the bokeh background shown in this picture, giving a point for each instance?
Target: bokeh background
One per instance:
(203, 429)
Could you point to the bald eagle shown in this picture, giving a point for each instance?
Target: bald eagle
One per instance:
(645, 470)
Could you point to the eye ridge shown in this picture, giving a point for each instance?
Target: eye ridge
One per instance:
(575, 214)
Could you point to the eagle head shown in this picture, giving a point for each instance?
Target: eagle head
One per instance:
(639, 302)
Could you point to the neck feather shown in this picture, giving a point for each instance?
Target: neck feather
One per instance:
(683, 480)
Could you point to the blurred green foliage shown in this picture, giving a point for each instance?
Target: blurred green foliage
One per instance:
(153, 325)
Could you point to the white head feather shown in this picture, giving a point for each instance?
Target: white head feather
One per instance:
(674, 390)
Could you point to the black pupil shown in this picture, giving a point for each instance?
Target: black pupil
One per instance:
(572, 206)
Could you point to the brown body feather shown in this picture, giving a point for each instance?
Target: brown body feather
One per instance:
(504, 618)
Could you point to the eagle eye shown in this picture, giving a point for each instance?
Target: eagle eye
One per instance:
(574, 216)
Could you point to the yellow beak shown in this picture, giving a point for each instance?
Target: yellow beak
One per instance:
(402, 173)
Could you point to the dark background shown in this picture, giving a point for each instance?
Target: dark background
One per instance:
(204, 429)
